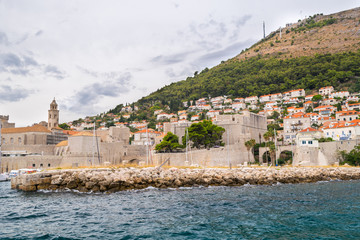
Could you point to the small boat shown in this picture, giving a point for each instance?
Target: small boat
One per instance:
(13, 173)
(4, 177)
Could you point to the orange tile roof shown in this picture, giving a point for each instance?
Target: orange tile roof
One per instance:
(309, 129)
(149, 130)
(62, 143)
(70, 132)
(34, 128)
(83, 134)
(326, 87)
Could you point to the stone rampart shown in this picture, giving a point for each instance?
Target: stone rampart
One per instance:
(113, 180)
(215, 157)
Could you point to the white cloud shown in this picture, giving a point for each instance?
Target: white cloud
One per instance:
(92, 55)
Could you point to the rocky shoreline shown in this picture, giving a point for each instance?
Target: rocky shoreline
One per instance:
(120, 179)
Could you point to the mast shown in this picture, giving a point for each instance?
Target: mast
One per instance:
(147, 146)
(186, 150)
(0, 147)
(92, 162)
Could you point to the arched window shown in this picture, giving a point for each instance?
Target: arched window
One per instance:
(19, 140)
(12, 140)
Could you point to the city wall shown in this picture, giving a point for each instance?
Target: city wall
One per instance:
(214, 157)
(325, 154)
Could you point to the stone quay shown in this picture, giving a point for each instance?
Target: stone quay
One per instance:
(119, 179)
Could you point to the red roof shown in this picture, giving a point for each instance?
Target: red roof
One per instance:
(309, 129)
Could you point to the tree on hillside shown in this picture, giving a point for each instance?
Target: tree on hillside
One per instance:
(64, 126)
(169, 143)
(352, 158)
(267, 136)
(205, 134)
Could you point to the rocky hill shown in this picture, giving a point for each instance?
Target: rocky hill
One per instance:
(339, 32)
(312, 53)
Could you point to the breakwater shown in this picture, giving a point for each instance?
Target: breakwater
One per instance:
(119, 179)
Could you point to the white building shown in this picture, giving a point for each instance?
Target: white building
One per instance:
(326, 90)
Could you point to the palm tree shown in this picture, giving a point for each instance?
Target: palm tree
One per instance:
(267, 136)
(249, 145)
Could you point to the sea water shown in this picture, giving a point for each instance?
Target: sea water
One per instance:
(323, 210)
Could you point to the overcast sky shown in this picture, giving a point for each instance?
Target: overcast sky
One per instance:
(93, 55)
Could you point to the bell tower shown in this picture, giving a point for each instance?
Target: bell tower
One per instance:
(53, 116)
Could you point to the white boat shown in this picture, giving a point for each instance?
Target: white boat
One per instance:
(13, 173)
(4, 177)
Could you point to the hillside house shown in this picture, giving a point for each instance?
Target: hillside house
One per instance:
(294, 124)
(293, 94)
(195, 118)
(329, 101)
(265, 98)
(347, 115)
(353, 106)
(308, 104)
(323, 108)
(276, 97)
(242, 100)
(309, 97)
(252, 100)
(343, 130)
(326, 90)
(238, 106)
(340, 94)
(212, 113)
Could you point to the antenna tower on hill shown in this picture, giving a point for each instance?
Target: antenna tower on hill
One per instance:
(264, 28)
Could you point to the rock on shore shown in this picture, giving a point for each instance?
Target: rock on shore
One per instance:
(113, 180)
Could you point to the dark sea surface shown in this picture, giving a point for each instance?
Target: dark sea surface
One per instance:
(324, 210)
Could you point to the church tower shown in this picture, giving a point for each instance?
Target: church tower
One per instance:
(53, 117)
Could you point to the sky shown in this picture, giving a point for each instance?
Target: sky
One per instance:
(93, 55)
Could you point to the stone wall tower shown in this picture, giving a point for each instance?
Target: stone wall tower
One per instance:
(53, 116)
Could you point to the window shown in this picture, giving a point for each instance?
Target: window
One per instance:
(303, 142)
(3, 140)
(12, 140)
(48, 164)
(350, 118)
(19, 140)
(41, 165)
(310, 142)
(33, 164)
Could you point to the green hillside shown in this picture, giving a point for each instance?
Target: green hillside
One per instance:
(259, 76)
(310, 54)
